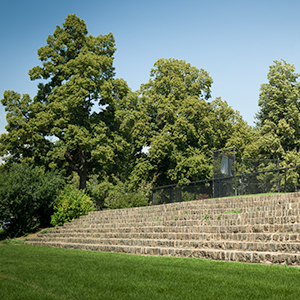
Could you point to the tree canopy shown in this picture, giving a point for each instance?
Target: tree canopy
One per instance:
(180, 126)
(279, 115)
(84, 120)
(68, 123)
(116, 144)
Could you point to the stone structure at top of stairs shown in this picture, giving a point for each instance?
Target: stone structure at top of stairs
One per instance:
(253, 229)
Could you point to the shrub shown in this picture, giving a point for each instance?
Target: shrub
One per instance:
(117, 194)
(98, 191)
(71, 203)
(26, 198)
(117, 199)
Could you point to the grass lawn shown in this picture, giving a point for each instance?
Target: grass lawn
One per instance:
(29, 272)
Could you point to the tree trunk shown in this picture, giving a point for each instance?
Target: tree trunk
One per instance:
(82, 180)
(83, 172)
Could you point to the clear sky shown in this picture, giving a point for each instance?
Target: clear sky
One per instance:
(235, 41)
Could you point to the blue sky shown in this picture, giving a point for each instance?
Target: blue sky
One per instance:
(235, 41)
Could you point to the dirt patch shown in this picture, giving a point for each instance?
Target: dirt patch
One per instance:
(31, 235)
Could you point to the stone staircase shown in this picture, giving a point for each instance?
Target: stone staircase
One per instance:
(253, 229)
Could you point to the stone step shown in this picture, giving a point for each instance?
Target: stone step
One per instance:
(191, 216)
(189, 226)
(225, 255)
(284, 247)
(261, 229)
(183, 233)
(226, 203)
(274, 210)
(193, 220)
(246, 237)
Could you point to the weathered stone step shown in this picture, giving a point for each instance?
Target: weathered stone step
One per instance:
(195, 226)
(277, 229)
(262, 229)
(225, 255)
(289, 247)
(245, 237)
(278, 209)
(193, 220)
(190, 216)
(225, 203)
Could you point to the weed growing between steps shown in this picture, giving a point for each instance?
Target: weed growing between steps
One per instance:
(177, 216)
(156, 220)
(205, 217)
(234, 211)
(50, 273)
(45, 230)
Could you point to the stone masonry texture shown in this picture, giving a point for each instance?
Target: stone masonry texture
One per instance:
(253, 229)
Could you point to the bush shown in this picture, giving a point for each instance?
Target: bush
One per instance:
(98, 191)
(116, 194)
(119, 196)
(26, 198)
(71, 203)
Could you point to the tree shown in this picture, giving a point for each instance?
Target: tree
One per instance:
(60, 127)
(27, 194)
(179, 125)
(175, 121)
(279, 115)
(231, 130)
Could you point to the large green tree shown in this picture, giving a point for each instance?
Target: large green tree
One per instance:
(180, 126)
(176, 118)
(69, 124)
(279, 116)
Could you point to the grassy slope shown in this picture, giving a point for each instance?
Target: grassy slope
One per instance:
(28, 272)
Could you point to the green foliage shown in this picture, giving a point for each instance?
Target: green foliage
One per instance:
(156, 220)
(205, 217)
(70, 204)
(45, 230)
(187, 196)
(84, 120)
(229, 129)
(16, 241)
(279, 115)
(234, 211)
(27, 194)
(174, 114)
(112, 193)
(119, 196)
(58, 128)
(3, 234)
(98, 191)
(180, 127)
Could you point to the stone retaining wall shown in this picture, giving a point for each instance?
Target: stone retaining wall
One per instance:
(256, 229)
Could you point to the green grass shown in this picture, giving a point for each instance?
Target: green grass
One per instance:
(28, 272)
(250, 195)
(16, 241)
